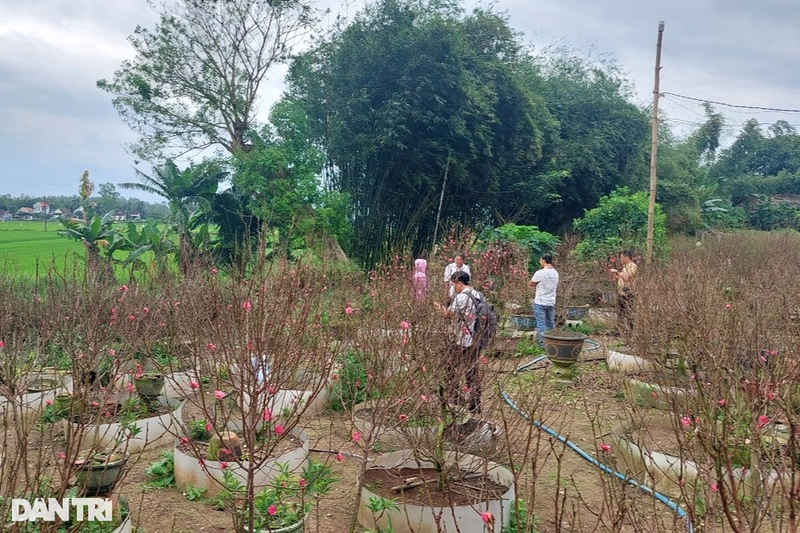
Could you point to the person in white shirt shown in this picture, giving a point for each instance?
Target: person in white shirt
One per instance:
(465, 353)
(545, 280)
(456, 266)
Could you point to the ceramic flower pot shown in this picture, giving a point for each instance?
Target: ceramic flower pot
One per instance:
(563, 349)
(99, 479)
(149, 385)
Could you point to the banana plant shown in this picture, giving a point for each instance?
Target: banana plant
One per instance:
(150, 239)
(100, 239)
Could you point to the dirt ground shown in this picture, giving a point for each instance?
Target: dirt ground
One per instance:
(568, 494)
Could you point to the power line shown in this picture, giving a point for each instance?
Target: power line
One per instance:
(759, 108)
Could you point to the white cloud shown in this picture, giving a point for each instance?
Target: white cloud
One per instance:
(52, 52)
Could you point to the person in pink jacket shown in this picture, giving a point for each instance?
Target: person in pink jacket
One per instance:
(420, 279)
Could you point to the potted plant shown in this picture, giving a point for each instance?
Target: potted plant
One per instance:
(285, 505)
(97, 472)
(563, 347)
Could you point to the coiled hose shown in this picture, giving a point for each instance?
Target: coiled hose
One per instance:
(572, 446)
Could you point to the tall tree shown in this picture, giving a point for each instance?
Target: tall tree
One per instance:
(110, 199)
(410, 92)
(194, 81)
(601, 138)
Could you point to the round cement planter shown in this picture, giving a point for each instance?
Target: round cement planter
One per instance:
(623, 362)
(664, 472)
(178, 384)
(283, 401)
(31, 404)
(189, 471)
(153, 431)
(411, 518)
(641, 393)
(391, 435)
(299, 527)
(125, 526)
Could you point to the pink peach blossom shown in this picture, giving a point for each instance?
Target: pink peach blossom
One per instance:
(272, 510)
(605, 447)
(278, 429)
(348, 310)
(219, 394)
(404, 325)
(339, 457)
(487, 517)
(247, 306)
(267, 415)
(356, 436)
(195, 385)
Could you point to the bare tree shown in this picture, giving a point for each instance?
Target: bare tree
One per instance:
(194, 82)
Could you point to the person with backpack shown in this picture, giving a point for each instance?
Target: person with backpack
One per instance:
(470, 334)
(545, 280)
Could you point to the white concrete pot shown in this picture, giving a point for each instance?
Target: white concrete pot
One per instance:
(31, 404)
(664, 472)
(153, 431)
(189, 471)
(125, 526)
(623, 362)
(391, 434)
(459, 519)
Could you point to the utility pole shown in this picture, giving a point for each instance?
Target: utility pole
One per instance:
(651, 208)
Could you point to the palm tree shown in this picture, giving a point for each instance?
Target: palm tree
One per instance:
(183, 190)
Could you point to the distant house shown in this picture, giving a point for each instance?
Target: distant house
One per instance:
(41, 207)
(25, 211)
(8, 215)
(118, 216)
(63, 211)
(134, 215)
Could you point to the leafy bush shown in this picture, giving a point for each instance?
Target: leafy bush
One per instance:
(529, 238)
(768, 215)
(161, 473)
(351, 386)
(618, 222)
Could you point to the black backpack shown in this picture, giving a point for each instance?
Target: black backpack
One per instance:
(485, 325)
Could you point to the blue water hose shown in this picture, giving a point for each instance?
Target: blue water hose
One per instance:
(572, 446)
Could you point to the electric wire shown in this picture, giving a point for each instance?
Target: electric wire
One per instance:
(736, 106)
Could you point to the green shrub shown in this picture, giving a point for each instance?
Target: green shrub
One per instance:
(351, 386)
(618, 222)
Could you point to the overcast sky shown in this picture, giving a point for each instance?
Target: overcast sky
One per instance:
(54, 122)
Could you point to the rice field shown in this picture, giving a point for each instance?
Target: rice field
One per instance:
(25, 247)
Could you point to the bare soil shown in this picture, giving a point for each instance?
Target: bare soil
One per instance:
(457, 491)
